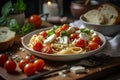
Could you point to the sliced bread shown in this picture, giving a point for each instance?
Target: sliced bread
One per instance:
(94, 17)
(110, 13)
(7, 38)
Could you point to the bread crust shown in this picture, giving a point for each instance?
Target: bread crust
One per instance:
(4, 45)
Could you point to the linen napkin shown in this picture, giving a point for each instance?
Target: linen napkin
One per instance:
(112, 47)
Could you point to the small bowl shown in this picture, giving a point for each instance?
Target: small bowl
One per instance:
(107, 30)
(56, 57)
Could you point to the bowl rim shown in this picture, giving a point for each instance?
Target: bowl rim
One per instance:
(82, 20)
(93, 51)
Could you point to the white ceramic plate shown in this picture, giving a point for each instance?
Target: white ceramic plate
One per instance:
(55, 57)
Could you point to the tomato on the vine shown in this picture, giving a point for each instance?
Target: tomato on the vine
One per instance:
(38, 46)
(35, 20)
(3, 59)
(29, 69)
(39, 64)
(10, 66)
(22, 63)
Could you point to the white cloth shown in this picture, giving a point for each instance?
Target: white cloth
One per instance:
(112, 47)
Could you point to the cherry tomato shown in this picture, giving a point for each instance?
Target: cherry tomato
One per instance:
(31, 58)
(10, 66)
(73, 36)
(80, 43)
(35, 20)
(22, 63)
(47, 49)
(29, 69)
(93, 45)
(97, 40)
(76, 28)
(38, 46)
(65, 27)
(57, 32)
(43, 34)
(39, 64)
(3, 59)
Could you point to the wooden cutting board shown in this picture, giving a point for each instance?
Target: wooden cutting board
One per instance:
(90, 74)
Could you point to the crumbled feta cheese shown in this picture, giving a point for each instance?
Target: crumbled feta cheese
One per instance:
(63, 40)
(84, 36)
(77, 69)
(50, 38)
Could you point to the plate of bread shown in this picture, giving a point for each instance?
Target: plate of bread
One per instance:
(104, 19)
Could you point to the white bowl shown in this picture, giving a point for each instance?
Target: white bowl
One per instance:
(55, 57)
(107, 30)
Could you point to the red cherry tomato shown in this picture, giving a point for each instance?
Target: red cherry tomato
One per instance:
(3, 59)
(47, 49)
(80, 43)
(97, 40)
(35, 20)
(43, 34)
(77, 28)
(29, 69)
(65, 27)
(31, 58)
(22, 63)
(39, 64)
(93, 45)
(57, 32)
(73, 36)
(38, 46)
(10, 66)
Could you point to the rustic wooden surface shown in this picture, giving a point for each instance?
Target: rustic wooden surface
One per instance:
(90, 74)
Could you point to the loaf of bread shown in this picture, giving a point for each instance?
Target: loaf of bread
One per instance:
(106, 14)
(7, 38)
(110, 13)
(94, 16)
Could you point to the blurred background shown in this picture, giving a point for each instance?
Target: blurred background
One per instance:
(36, 6)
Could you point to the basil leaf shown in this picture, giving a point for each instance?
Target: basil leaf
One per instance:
(27, 28)
(6, 8)
(19, 6)
(3, 21)
(14, 26)
(64, 33)
(50, 32)
(85, 30)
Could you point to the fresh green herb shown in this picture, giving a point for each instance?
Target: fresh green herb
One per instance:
(64, 33)
(13, 25)
(85, 30)
(27, 28)
(19, 6)
(50, 32)
(6, 9)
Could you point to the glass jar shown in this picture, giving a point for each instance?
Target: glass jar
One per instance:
(79, 7)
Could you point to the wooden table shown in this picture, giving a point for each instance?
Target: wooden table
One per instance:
(94, 73)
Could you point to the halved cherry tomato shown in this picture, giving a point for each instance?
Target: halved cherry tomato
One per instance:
(22, 63)
(57, 32)
(35, 20)
(3, 59)
(47, 49)
(39, 64)
(65, 27)
(38, 46)
(80, 43)
(29, 69)
(97, 40)
(43, 34)
(10, 66)
(92, 45)
(73, 36)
